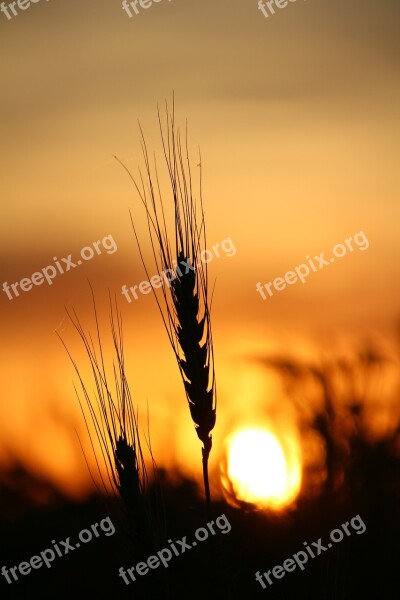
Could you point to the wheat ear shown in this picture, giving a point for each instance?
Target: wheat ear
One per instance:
(110, 414)
(185, 304)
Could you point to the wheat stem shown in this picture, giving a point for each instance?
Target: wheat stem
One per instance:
(184, 305)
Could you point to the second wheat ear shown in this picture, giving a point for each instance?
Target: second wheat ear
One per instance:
(184, 304)
(111, 417)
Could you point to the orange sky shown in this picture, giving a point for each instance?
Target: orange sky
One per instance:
(297, 119)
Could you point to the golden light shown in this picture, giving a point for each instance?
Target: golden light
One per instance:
(258, 470)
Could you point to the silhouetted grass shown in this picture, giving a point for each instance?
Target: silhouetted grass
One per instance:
(110, 416)
(185, 304)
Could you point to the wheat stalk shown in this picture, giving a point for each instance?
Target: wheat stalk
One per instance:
(185, 304)
(112, 416)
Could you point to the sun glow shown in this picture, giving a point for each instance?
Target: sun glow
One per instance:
(259, 471)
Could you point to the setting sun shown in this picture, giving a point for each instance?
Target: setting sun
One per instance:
(258, 470)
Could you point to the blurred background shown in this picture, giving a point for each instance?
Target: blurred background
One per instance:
(297, 120)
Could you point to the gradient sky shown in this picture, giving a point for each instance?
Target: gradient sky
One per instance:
(297, 118)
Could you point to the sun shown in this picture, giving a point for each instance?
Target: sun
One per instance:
(258, 470)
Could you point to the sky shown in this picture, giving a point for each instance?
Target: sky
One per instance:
(297, 119)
